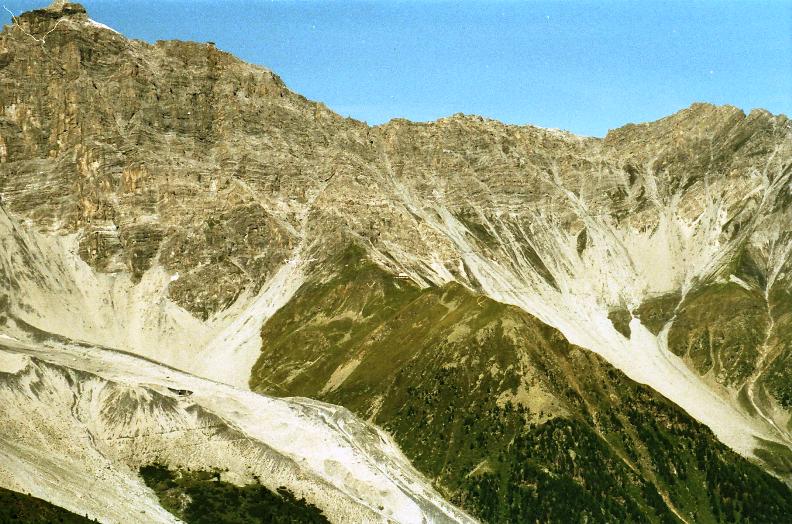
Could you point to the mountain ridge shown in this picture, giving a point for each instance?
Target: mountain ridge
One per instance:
(71, 10)
(173, 202)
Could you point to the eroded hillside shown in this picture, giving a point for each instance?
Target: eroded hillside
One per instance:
(489, 289)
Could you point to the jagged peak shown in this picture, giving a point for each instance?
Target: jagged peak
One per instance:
(39, 23)
(62, 5)
(45, 19)
(701, 115)
(706, 111)
(58, 9)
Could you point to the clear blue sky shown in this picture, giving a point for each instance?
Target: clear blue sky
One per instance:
(581, 66)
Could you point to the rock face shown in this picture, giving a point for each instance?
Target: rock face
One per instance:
(172, 201)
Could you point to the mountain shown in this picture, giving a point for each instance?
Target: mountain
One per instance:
(17, 507)
(512, 421)
(80, 421)
(550, 327)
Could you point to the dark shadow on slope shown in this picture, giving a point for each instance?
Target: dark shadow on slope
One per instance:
(18, 507)
(200, 497)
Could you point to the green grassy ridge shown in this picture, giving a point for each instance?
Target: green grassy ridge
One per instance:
(22, 508)
(778, 377)
(731, 323)
(653, 314)
(455, 378)
(200, 497)
(721, 328)
(326, 317)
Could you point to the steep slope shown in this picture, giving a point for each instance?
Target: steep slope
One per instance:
(595, 239)
(202, 497)
(46, 287)
(166, 200)
(80, 420)
(509, 419)
(16, 507)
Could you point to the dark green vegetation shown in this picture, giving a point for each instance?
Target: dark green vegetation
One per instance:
(18, 507)
(777, 456)
(200, 497)
(507, 418)
(736, 336)
(653, 314)
(721, 328)
(778, 377)
(733, 334)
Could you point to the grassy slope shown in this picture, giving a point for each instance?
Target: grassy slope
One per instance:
(734, 335)
(510, 420)
(721, 328)
(18, 507)
(732, 332)
(653, 314)
(778, 379)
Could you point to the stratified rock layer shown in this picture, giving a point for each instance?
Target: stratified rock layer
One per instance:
(169, 199)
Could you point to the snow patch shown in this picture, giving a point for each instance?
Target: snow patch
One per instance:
(100, 25)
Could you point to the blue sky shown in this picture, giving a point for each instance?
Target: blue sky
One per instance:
(582, 66)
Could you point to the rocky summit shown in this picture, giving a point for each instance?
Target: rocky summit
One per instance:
(221, 300)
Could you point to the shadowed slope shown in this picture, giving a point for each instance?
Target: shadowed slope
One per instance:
(18, 507)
